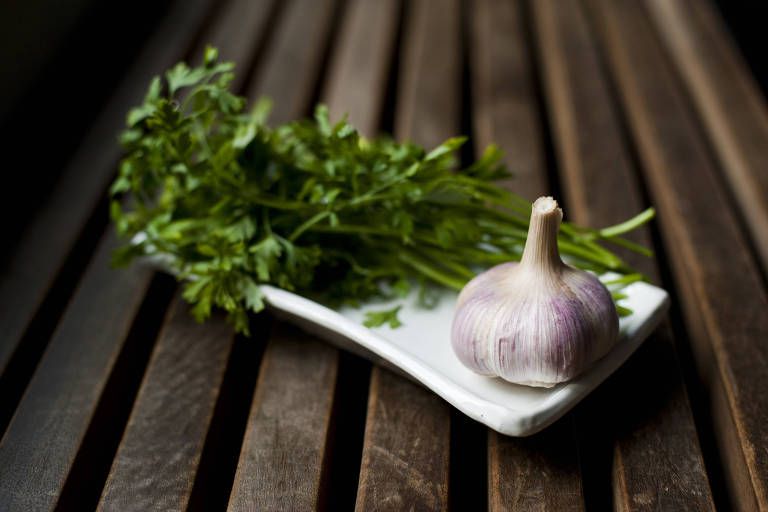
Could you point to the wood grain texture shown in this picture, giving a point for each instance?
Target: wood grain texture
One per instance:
(53, 232)
(504, 103)
(429, 88)
(723, 299)
(731, 106)
(157, 460)
(405, 452)
(293, 58)
(281, 462)
(658, 462)
(359, 65)
(44, 436)
(541, 472)
(238, 30)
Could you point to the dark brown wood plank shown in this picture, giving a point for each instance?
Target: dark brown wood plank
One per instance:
(723, 299)
(407, 437)
(657, 459)
(238, 30)
(157, 461)
(282, 458)
(504, 100)
(52, 233)
(359, 65)
(541, 471)
(281, 461)
(428, 93)
(732, 108)
(405, 455)
(47, 430)
(535, 473)
(293, 59)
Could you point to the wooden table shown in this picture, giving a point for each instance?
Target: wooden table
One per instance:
(111, 397)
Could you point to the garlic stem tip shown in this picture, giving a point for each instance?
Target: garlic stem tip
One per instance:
(545, 204)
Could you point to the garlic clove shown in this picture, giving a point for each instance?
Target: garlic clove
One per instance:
(538, 322)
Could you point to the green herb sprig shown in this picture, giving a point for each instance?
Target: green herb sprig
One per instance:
(311, 206)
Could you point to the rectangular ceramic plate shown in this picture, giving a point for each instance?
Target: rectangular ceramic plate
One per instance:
(421, 349)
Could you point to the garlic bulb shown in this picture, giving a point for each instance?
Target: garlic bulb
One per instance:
(538, 322)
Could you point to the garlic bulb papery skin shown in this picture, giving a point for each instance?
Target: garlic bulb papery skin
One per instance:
(538, 322)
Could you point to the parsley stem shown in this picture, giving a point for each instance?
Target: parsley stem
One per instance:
(429, 270)
(628, 225)
(308, 224)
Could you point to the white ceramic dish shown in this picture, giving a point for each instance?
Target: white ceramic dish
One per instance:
(421, 350)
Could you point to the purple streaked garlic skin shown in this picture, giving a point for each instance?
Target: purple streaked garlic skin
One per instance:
(538, 322)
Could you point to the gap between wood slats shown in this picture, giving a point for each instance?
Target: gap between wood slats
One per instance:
(550, 158)
(340, 7)
(468, 460)
(91, 465)
(218, 462)
(341, 466)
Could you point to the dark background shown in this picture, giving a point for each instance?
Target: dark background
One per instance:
(59, 61)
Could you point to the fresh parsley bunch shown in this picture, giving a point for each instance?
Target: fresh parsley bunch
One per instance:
(312, 207)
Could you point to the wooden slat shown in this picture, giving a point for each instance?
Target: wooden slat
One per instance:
(535, 473)
(407, 436)
(282, 458)
(51, 235)
(732, 108)
(428, 93)
(47, 430)
(503, 96)
(658, 462)
(723, 300)
(238, 31)
(358, 70)
(292, 61)
(542, 471)
(405, 453)
(156, 463)
(281, 461)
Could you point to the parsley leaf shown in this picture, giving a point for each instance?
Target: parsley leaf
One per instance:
(379, 318)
